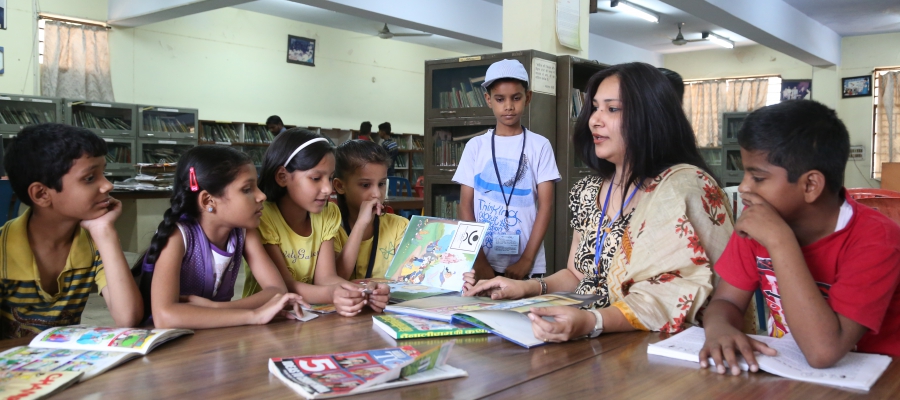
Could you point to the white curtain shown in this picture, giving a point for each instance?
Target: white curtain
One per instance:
(76, 62)
(887, 127)
(705, 101)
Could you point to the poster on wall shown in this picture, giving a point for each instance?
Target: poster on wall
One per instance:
(2, 14)
(799, 89)
(857, 86)
(301, 50)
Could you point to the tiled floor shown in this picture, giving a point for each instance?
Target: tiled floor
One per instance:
(97, 314)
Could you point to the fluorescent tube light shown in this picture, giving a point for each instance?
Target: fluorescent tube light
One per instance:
(635, 10)
(719, 40)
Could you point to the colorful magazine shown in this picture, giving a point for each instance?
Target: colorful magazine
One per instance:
(343, 374)
(433, 256)
(34, 385)
(505, 318)
(409, 327)
(131, 340)
(91, 363)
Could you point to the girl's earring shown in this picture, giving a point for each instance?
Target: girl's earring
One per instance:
(210, 209)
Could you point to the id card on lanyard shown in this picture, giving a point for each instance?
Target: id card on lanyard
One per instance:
(507, 244)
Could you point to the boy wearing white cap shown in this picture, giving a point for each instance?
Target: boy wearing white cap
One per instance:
(506, 179)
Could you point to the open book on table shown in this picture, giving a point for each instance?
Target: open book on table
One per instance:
(91, 350)
(504, 318)
(409, 327)
(23, 385)
(433, 256)
(344, 374)
(855, 370)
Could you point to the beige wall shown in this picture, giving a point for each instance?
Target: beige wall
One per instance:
(230, 64)
(860, 54)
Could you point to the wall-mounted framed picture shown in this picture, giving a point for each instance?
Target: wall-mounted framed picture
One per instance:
(3, 14)
(301, 51)
(856, 86)
(797, 89)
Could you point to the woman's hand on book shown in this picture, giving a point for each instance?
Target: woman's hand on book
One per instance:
(349, 299)
(276, 306)
(500, 288)
(724, 342)
(567, 323)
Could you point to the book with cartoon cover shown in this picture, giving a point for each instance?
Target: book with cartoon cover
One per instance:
(91, 363)
(433, 256)
(34, 385)
(408, 327)
(505, 318)
(343, 374)
(80, 337)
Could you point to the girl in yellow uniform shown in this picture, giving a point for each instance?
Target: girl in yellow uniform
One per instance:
(299, 224)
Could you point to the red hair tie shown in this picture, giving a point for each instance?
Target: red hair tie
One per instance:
(192, 180)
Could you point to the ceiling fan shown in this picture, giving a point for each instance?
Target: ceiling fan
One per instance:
(386, 33)
(679, 39)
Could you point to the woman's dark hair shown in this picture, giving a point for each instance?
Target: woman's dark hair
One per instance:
(45, 153)
(279, 151)
(349, 157)
(215, 168)
(656, 132)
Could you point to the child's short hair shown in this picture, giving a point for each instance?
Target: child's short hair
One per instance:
(385, 127)
(365, 128)
(282, 148)
(274, 120)
(799, 136)
(513, 80)
(354, 154)
(44, 153)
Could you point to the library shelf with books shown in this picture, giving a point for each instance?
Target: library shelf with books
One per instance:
(410, 163)
(158, 151)
(167, 122)
(18, 111)
(115, 123)
(573, 74)
(455, 111)
(250, 137)
(731, 169)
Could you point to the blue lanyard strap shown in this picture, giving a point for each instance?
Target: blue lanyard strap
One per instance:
(515, 174)
(601, 227)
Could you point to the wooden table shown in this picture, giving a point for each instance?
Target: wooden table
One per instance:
(405, 203)
(231, 363)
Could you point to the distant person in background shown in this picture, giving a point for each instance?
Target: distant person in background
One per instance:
(676, 80)
(391, 146)
(274, 125)
(365, 131)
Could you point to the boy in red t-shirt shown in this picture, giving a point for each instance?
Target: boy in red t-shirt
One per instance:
(828, 267)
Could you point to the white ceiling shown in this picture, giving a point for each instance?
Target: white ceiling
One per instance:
(367, 29)
(853, 17)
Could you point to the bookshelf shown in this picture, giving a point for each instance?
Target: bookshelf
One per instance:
(250, 137)
(573, 74)
(731, 169)
(410, 163)
(18, 111)
(167, 122)
(455, 112)
(157, 151)
(114, 123)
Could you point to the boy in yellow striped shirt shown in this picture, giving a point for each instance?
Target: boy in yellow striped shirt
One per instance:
(53, 254)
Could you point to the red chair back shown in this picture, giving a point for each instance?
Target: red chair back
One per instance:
(869, 193)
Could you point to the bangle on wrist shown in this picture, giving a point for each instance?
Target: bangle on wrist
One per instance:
(543, 286)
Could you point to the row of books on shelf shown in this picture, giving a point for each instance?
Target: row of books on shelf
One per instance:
(26, 116)
(87, 120)
(469, 94)
(219, 133)
(418, 143)
(448, 153)
(257, 134)
(577, 102)
(166, 124)
(446, 206)
(418, 160)
(118, 154)
(162, 155)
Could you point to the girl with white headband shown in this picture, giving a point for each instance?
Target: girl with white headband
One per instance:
(299, 224)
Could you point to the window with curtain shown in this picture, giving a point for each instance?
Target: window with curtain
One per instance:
(75, 61)
(706, 100)
(886, 126)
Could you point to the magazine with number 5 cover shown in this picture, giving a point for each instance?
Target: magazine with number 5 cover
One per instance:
(433, 256)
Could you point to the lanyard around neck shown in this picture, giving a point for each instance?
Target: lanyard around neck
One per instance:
(515, 174)
(601, 238)
(376, 222)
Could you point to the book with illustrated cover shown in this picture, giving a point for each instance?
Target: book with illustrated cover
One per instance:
(350, 373)
(505, 318)
(130, 340)
(433, 256)
(91, 363)
(409, 327)
(34, 385)
(855, 370)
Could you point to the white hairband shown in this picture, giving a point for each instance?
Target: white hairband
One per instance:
(301, 147)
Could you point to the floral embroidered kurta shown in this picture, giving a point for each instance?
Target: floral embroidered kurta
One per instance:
(657, 263)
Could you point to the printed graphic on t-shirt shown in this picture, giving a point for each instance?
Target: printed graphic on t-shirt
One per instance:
(491, 208)
(777, 323)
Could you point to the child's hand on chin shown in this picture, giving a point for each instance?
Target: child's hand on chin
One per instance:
(761, 222)
(114, 210)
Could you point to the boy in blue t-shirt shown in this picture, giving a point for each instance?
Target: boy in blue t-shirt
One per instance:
(506, 179)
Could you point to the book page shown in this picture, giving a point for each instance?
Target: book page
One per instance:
(31, 359)
(34, 385)
(512, 326)
(132, 340)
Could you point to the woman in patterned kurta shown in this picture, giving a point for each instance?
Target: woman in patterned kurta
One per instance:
(655, 268)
